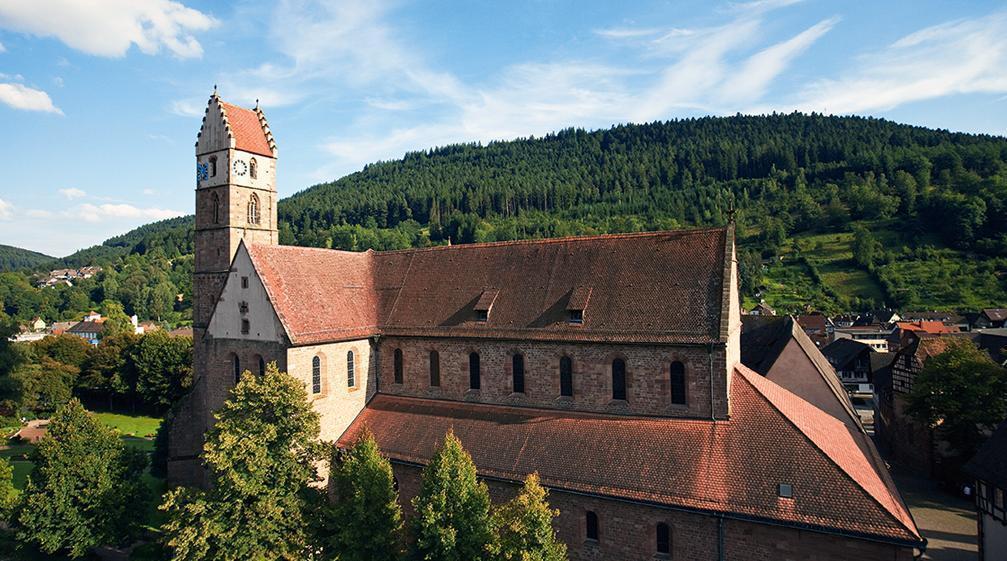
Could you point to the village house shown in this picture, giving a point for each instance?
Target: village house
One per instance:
(990, 318)
(852, 361)
(611, 365)
(989, 468)
(818, 327)
(90, 331)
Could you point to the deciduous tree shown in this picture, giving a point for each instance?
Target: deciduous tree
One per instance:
(524, 527)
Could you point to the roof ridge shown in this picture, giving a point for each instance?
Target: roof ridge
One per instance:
(749, 376)
(561, 239)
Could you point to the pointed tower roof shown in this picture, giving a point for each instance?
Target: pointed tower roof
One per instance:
(246, 129)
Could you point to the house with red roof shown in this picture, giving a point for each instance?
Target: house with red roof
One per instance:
(610, 365)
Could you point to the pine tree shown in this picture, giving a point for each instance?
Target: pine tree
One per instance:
(261, 455)
(365, 522)
(452, 509)
(85, 489)
(524, 527)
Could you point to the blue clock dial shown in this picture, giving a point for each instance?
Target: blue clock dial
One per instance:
(202, 172)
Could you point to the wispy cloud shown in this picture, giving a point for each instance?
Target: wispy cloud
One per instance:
(188, 108)
(72, 193)
(111, 27)
(22, 97)
(959, 57)
(3, 49)
(627, 32)
(97, 213)
(6, 210)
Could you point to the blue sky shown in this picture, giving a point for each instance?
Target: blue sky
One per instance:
(100, 101)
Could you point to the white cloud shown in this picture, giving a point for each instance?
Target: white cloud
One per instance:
(149, 192)
(72, 193)
(627, 32)
(958, 57)
(22, 97)
(98, 213)
(188, 108)
(6, 210)
(3, 49)
(109, 27)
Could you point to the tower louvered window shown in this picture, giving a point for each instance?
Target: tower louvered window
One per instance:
(216, 208)
(253, 168)
(253, 209)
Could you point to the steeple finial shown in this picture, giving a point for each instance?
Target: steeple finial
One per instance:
(256, 103)
(215, 90)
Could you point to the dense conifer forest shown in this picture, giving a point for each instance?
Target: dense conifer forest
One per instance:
(834, 213)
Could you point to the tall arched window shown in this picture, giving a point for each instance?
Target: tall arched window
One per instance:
(591, 520)
(253, 168)
(237, 368)
(474, 381)
(566, 377)
(262, 366)
(316, 374)
(398, 366)
(435, 369)
(663, 538)
(351, 374)
(618, 379)
(253, 209)
(678, 383)
(517, 362)
(216, 208)
(213, 166)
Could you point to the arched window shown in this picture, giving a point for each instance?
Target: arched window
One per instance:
(663, 538)
(351, 375)
(316, 374)
(213, 166)
(435, 369)
(253, 168)
(678, 383)
(591, 519)
(237, 368)
(398, 366)
(474, 381)
(566, 377)
(216, 208)
(253, 209)
(518, 366)
(262, 366)
(618, 379)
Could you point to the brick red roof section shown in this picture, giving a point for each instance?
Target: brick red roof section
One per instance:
(926, 326)
(653, 287)
(730, 467)
(247, 130)
(319, 295)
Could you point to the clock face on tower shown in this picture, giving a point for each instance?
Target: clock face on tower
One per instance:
(202, 172)
(240, 167)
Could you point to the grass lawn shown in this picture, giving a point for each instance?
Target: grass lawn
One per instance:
(131, 425)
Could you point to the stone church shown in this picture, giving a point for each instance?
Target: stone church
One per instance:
(611, 365)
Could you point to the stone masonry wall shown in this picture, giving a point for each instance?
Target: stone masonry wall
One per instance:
(648, 389)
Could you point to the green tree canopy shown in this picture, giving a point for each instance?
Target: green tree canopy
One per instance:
(261, 455)
(452, 520)
(365, 521)
(962, 393)
(85, 490)
(524, 527)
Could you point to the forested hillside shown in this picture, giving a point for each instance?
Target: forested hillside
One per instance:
(12, 258)
(835, 213)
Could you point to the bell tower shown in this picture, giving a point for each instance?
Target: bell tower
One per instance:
(235, 196)
(235, 201)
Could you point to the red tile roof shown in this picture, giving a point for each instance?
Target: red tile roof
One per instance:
(247, 128)
(731, 467)
(926, 326)
(651, 287)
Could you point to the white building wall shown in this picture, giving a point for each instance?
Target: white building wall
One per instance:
(337, 402)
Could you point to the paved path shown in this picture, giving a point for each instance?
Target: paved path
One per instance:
(947, 522)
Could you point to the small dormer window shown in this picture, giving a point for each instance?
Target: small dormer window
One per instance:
(577, 303)
(484, 305)
(785, 490)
